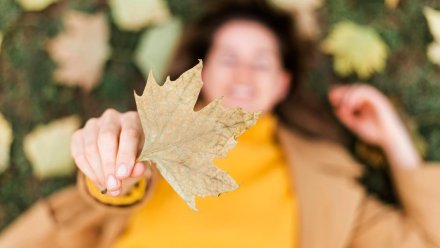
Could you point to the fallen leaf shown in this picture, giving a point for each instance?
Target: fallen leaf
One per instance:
(433, 50)
(155, 48)
(35, 5)
(133, 15)
(81, 50)
(182, 142)
(356, 48)
(5, 143)
(433, 18)
(1, 40)
(48, 147)
(305, 13)
(391, 4)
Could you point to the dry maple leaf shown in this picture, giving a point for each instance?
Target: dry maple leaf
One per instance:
(182, 142)
(48, 147)
(81, 50)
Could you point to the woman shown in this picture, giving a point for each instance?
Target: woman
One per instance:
(254, 61)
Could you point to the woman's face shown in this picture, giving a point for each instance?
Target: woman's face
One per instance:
(244, 66)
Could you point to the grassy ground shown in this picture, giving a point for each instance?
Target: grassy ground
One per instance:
(29, 96)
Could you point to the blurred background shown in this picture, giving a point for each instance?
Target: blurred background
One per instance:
(64, 61)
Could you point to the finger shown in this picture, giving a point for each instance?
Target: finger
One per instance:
(77, 151)
(128, 144)
(108, 145)
(365, 103)
(138, 170)
(116, 192)
(337, 94)
(353, 100)
(90, 138)
(348, 107)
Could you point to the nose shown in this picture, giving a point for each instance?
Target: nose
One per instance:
(243, 73)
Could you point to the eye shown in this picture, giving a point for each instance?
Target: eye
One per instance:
(261, 65)
(227, 60)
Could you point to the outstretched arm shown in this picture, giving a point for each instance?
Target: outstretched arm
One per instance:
(368, 114)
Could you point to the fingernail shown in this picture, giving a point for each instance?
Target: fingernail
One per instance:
(138, 169)
(111, 182)
(122, 171)
(114, 193)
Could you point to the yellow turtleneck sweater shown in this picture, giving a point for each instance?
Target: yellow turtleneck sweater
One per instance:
(262, 212)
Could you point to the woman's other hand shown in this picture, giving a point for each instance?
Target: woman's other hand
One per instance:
(105, 149)
(367, 113)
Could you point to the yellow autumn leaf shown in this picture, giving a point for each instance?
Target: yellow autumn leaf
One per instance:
(305, 14)
(81, 50)
(5, 143)
(391, 4)
(355, 48)
(156, 47)
(48, 147)
(433, 50)
(133, 15)
(433, 18)
(35, 5)
(1, 40)
(181, 142)
(298, 4)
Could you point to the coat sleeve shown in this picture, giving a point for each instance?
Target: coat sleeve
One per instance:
(416, 224)
(61, 220)
(72, 218)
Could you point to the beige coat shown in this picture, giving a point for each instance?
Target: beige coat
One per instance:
(335, 210)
